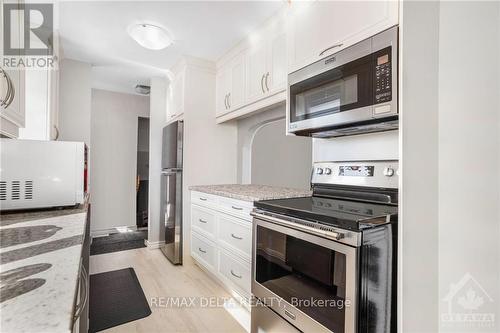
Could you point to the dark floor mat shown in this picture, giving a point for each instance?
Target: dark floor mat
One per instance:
(118, 242)
(116, 298)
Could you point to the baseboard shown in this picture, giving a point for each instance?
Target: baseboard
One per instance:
(107, 232)
(153, 245)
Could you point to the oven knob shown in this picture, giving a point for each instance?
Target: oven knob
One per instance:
(328, 171)
(319, 171)
(389, 172)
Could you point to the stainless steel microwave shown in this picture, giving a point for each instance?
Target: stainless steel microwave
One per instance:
(353, 91)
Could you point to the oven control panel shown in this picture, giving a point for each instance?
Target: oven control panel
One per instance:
(361, 173)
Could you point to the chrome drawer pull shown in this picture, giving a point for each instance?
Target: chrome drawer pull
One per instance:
(203, 199)
(202, 221)
(235, 275)
(236, 237)
(237, 208)
(290, 315)
(199, 249)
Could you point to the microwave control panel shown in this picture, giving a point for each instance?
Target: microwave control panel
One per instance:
(383, 75)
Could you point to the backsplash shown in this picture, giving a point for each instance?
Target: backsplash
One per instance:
(373, 146)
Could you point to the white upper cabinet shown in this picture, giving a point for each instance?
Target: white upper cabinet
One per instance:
(276, 64)
(231, 85)
(175, 95)
(12, 84)
(320, 28)
(256, 71)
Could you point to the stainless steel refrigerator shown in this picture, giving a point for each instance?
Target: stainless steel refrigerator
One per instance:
(171, 191)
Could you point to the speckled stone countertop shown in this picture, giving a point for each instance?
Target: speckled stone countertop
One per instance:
(250, 192)
(40, 255)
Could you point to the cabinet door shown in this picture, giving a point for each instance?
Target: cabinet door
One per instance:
(14, 113)
(256, 71)
(236, 95)
(222, 90)
(322, 28)
(276, 75)
(177, 95)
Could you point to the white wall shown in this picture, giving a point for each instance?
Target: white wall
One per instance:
(469, 153)
(373, 146)
(210, 155)
(157, 120)
(450, 162)
(113, 157)
(74, 101)
(37, 118)
(418, 223)
(267, 156)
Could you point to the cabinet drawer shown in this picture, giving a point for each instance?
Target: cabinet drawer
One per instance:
(203, 199)
(203, 251)
(236, 234)
(237, 208)
(204, 220)
(235, 271)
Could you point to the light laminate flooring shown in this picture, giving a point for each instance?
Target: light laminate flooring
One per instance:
(162, 283)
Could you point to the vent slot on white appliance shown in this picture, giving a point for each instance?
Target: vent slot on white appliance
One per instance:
(3, 190)
(28, 189)
(16, 190)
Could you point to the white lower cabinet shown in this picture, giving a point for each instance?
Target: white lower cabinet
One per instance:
(221, 239)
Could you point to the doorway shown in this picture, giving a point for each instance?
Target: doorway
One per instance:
(142, 179)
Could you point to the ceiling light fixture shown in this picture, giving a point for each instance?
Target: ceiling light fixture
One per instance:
(150, 36)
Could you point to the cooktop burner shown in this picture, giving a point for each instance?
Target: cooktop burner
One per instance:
(346, 214)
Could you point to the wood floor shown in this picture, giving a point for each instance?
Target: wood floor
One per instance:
(160, 281)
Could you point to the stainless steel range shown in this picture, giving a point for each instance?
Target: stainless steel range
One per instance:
(327, 263)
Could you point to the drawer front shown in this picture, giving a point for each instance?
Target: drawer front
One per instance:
(204, 220)
(203, 251)
(236, 271)
(236, 234)
(203, 199)
(237, 208)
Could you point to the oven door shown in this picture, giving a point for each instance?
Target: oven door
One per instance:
(309, 280)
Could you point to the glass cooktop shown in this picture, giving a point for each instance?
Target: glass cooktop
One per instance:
(353, 215)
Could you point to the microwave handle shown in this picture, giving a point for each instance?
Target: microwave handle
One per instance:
(329, 48)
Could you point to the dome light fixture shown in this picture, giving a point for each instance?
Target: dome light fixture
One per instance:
(150, 36)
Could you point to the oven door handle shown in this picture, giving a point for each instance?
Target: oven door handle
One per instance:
(325, 233)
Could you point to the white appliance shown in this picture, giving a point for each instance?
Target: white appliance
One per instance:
(41, 174)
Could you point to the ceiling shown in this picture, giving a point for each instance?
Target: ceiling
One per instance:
(96, 32)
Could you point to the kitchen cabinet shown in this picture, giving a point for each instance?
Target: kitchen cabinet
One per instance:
(221, 239)
(266, 70)
(12, 86)
(175, 95)
(318, 29)
(252, 76)
(230, 86)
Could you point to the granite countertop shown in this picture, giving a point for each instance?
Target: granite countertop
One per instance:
(250, 192)
(40, 255)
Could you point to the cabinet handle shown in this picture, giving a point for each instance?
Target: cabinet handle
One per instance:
(10, 91)
(225, 101)
(82, 303)
(267, 75)
(331, 47)
(236, 237)
(229, 100)
(203, 199)
(57, 133)
(237, 208)
(262, 83)
(202, 221)
(235, 275)
(199, 249)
